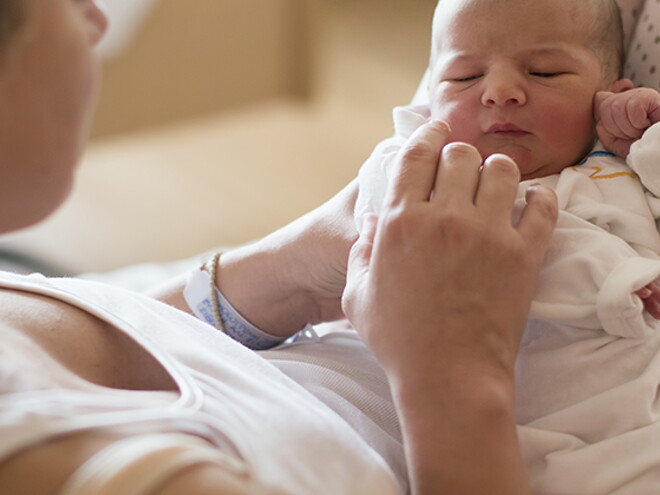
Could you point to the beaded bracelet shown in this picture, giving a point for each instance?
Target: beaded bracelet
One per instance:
(209, 305)
(213, 291)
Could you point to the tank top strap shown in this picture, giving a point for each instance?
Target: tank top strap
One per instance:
(139, 465)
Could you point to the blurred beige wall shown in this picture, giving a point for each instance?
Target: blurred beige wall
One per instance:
(225, 119)
(196, 57)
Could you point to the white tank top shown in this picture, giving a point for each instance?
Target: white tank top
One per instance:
(342, 438)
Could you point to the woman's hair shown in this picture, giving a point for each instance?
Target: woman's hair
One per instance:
(11, 17)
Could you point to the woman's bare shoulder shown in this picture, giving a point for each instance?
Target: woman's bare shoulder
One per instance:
(45, 469)
(209, 479)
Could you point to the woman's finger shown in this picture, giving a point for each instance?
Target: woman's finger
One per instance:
(458, 175)
(417, 165)
(498, 187)
(359, 260)
(539, 218)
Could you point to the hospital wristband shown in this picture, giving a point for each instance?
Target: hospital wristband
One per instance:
(198, 296)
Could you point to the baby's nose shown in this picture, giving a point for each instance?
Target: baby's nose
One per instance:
(503, 90)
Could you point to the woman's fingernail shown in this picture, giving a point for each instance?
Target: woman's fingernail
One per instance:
(442, 124)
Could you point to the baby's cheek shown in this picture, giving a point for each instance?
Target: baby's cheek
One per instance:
(574, 137)
(568, 115)
(463, 121)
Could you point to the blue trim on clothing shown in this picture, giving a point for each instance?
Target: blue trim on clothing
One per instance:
(595, 154)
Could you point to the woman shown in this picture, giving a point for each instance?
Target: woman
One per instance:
(105, 391)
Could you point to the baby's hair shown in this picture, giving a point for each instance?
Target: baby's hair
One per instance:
(607, 39)
(12, 14)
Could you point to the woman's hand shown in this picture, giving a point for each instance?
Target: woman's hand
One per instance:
(301, 267)
(448, 276)
(440, 288)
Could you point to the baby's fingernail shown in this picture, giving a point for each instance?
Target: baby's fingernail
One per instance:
(644, 292)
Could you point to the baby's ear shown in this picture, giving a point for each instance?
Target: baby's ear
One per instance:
(621, 85)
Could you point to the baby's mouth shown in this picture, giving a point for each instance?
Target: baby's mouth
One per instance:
(507, 130)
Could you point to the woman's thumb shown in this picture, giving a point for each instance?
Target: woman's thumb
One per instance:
(360, 256)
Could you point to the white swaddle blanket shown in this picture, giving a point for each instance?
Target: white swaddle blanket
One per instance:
(606, 244)
(586, 404)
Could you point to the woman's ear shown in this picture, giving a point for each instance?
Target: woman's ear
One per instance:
(621, 85)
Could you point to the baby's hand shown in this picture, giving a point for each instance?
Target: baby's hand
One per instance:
(650, 296)
(622, 118)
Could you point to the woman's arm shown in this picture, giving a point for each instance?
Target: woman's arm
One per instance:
(439, 288)
(291, 277)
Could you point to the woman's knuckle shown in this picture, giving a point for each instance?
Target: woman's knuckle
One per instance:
(415, 152)
(461, 151)
(451, 220)
(399, 220)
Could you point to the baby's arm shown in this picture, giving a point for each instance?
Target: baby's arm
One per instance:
(621, 110)
(622, 118)
(592, 279)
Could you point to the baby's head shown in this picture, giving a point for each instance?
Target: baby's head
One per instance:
(519, 76)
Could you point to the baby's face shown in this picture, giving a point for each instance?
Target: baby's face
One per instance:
(517, 77)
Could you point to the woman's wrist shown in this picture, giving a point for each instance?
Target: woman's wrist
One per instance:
(459, 432)
(296, 275)
(255, 281)
(290, 278)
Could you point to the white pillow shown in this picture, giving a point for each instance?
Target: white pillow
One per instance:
(643, 60)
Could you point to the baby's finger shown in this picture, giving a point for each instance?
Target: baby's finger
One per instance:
(599, 100)
(617, 118)
(654, 115)
(606, 119)
(498, 187)
(652, 307)
(638, 117)
(627, 121)
(644, 292)
(417, 164)
(616, 145)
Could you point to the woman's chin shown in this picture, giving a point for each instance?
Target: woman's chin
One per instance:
(25, 214)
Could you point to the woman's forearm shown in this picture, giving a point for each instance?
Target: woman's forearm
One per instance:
(291, 277)
(459, 435)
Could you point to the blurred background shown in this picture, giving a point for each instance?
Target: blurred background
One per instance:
(221, 120)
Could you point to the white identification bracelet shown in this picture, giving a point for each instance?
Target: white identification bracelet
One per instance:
(196, 293)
